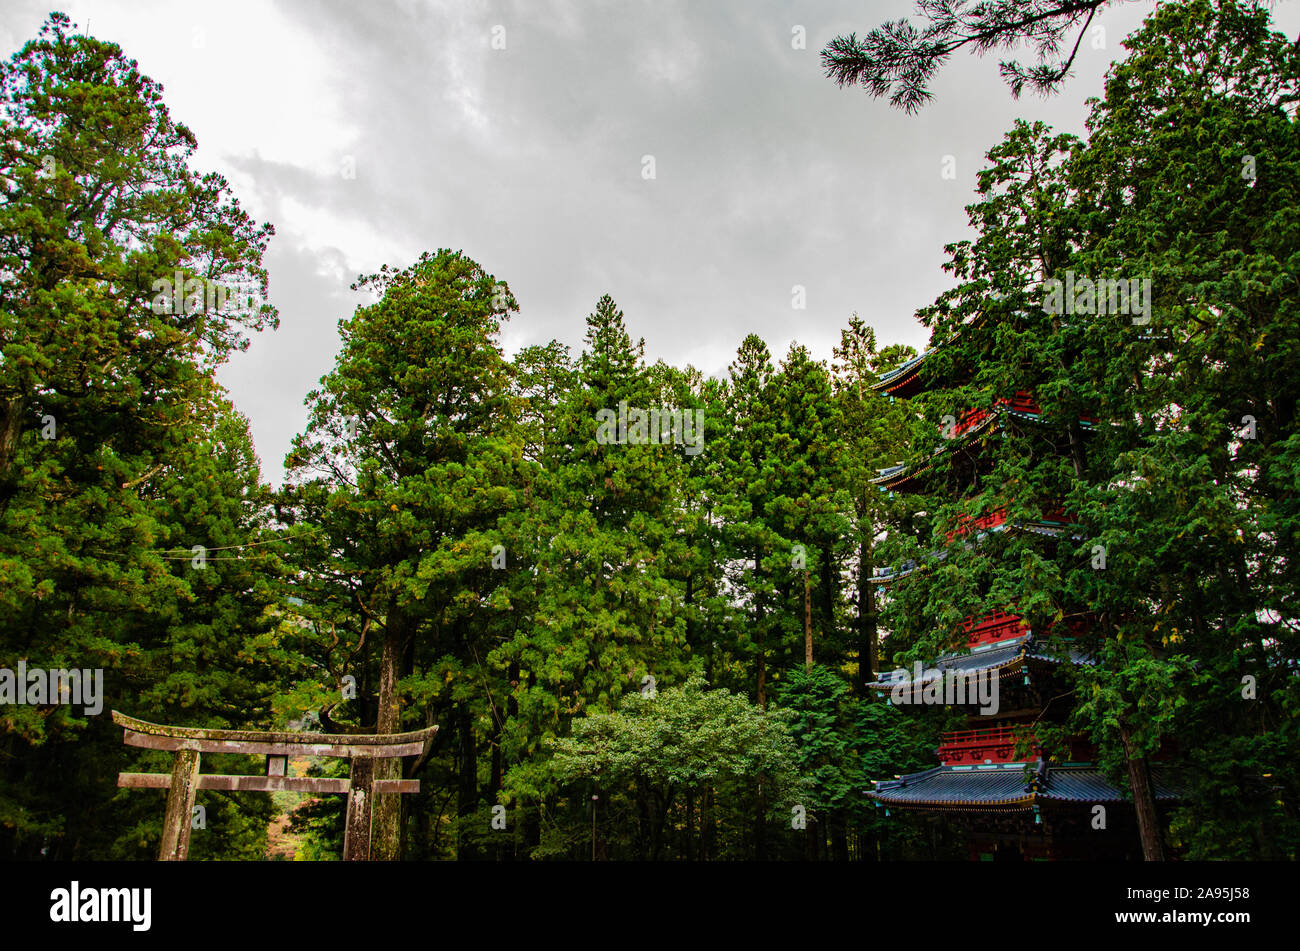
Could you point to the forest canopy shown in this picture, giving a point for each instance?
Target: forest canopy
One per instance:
(660, 647)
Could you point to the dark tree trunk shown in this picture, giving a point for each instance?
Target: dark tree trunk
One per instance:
(760, 817)
(1144, 800)
(467, 783)
(689, 600)
(386, 839)
(1078, 452)
(645, 835)
(760, 676)
(662, 805)
(689, 843)
(830, 590)
(532, 831)
(11, 420)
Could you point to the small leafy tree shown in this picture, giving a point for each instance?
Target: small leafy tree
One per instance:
(656, 756)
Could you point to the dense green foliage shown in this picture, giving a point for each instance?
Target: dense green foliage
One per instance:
(1178, 569)
(654, 649)
(118, 453)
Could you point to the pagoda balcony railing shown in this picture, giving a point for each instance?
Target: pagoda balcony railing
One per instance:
(1022, 402)
(965, 523)
(1053, 522)
(993, 627)
(988, 746)
(998, 518)
(996, 745)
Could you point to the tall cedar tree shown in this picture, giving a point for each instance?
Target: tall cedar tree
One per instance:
(105, 401)
(608, 616)
(1178, 565)
(409, 463)
(1191, 178)
(876, 433)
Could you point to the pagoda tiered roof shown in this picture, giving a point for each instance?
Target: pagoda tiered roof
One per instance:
(992, 523)
(996, 641)
(904, 381)
(1008, 659)
(973, 424)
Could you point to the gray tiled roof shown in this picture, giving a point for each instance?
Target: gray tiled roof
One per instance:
(1006, 786)
(990, 658)
(1000, 785)
(1085, 784)
(969, 662)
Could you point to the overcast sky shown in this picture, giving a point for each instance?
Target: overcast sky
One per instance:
(530, 159)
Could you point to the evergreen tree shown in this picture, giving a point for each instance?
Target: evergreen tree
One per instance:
(409, 463)
(116, 258)
(876, 432)
(1189, 181)
(607, 616)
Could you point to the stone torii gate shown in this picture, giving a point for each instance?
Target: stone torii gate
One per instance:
(189, 743)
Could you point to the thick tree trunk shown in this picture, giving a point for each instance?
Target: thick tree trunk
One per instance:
(663, 803)
(11, 418)
(386, 838)
(494, 781)
(497, 769)
(689, 838)
(512, 710)
(760, 818)
(1144, 800)
(178, 819)
(1078, 452)
(532, 831)
(11, 415)
(689, 601)
(645, 834)
(360, 812)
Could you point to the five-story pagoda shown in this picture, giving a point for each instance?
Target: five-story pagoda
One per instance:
(982, 625)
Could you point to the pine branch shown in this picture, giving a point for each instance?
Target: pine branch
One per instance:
(898, 59)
